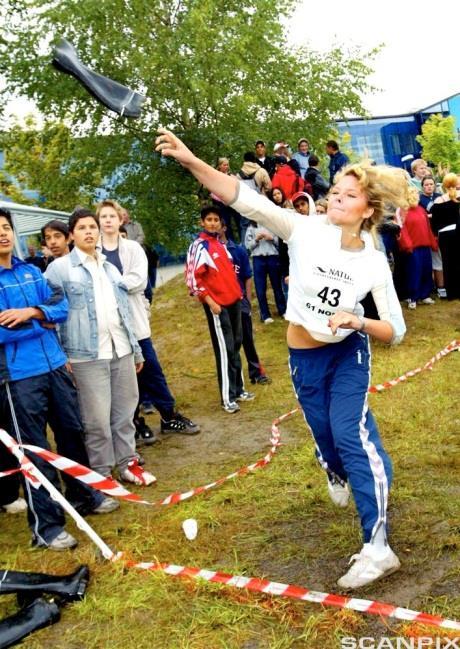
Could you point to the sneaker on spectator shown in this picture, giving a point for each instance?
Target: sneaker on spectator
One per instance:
(136, 475)
(147, 408)
(107, 506)
(411, 304)
(16, 507)
(428, 300)
(246, 396)
(231, 407)
(442, 293)
(179, 424)
(144, 434)
(63, 541)
(338, 490)
(268, 320)
(262, 380)
(368, 567)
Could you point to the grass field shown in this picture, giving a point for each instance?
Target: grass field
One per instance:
(277, 523)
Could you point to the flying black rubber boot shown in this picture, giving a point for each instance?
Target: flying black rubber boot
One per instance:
(113, 95)
(30, 585)
(34, 616)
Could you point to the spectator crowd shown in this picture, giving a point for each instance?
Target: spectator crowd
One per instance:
(76, 348)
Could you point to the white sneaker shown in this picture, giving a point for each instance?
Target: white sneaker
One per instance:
(246, 396)
(411, 304)
(231, 407)
(442, 293)
(135, 474)
(428, 300)
(338, 491)
(367, 568)
(268, 320)
(107, 506)
(63, 541)
(16, 507)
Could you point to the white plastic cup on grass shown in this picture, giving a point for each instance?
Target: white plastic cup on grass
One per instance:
(190, 527)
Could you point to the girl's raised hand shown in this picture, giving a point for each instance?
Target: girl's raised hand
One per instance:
(171, 146)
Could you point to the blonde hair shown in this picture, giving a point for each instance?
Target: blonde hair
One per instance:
(449, 184)
(383, 185)
(416, 163)
(321, 202)
(220, 161)
(108, 202)
(413, 196)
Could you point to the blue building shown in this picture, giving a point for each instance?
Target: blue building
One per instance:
(389, 138)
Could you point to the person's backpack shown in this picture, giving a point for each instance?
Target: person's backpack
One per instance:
(249, 180)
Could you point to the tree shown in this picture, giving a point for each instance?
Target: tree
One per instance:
(218, 72)
(439, 142)
(50, 161)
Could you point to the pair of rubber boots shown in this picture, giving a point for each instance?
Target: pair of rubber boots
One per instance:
(38, 611)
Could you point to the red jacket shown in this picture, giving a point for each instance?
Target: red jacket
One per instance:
(416, 231)
(209, 271)
(289, 182)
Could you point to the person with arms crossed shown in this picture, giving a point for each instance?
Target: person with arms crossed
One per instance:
(37, 389)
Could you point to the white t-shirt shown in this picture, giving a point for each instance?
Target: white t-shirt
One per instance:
(110, 331)
(323, 277)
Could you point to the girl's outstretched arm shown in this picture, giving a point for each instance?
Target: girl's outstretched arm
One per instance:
(225, 186)
(245, 200)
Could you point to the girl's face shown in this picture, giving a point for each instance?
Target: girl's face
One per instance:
(320, 209)
(277, 196)
(224, 167)
(347, 204)
(428, 187)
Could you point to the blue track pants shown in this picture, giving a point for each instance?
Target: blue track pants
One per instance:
(331, 384)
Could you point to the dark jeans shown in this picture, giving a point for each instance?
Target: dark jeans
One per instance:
(255, 368)
(152, 382)
(38, 400)
(263, 267)
(244, 224)
(9, 486)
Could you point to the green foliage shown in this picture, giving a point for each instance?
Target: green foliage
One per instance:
(219, 73)
(49, 160)
(439, 141)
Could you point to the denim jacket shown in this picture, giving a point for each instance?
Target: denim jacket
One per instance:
(78, 334)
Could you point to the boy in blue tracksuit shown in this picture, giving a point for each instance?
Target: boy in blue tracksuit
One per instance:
(36, 387)
(244, 274)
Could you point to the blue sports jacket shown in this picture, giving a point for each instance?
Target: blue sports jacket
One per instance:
(29, 349)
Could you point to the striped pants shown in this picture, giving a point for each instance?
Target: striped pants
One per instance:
(331, 384)
(226, 336)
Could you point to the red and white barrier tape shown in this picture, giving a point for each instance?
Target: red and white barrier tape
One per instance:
(113, 488)
(451, 347)
(237, 581)
(4, 474)
(300, 593)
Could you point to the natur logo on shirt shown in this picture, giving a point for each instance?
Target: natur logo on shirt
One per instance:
(333, 273)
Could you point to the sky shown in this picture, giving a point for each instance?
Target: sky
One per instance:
(419, 63)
